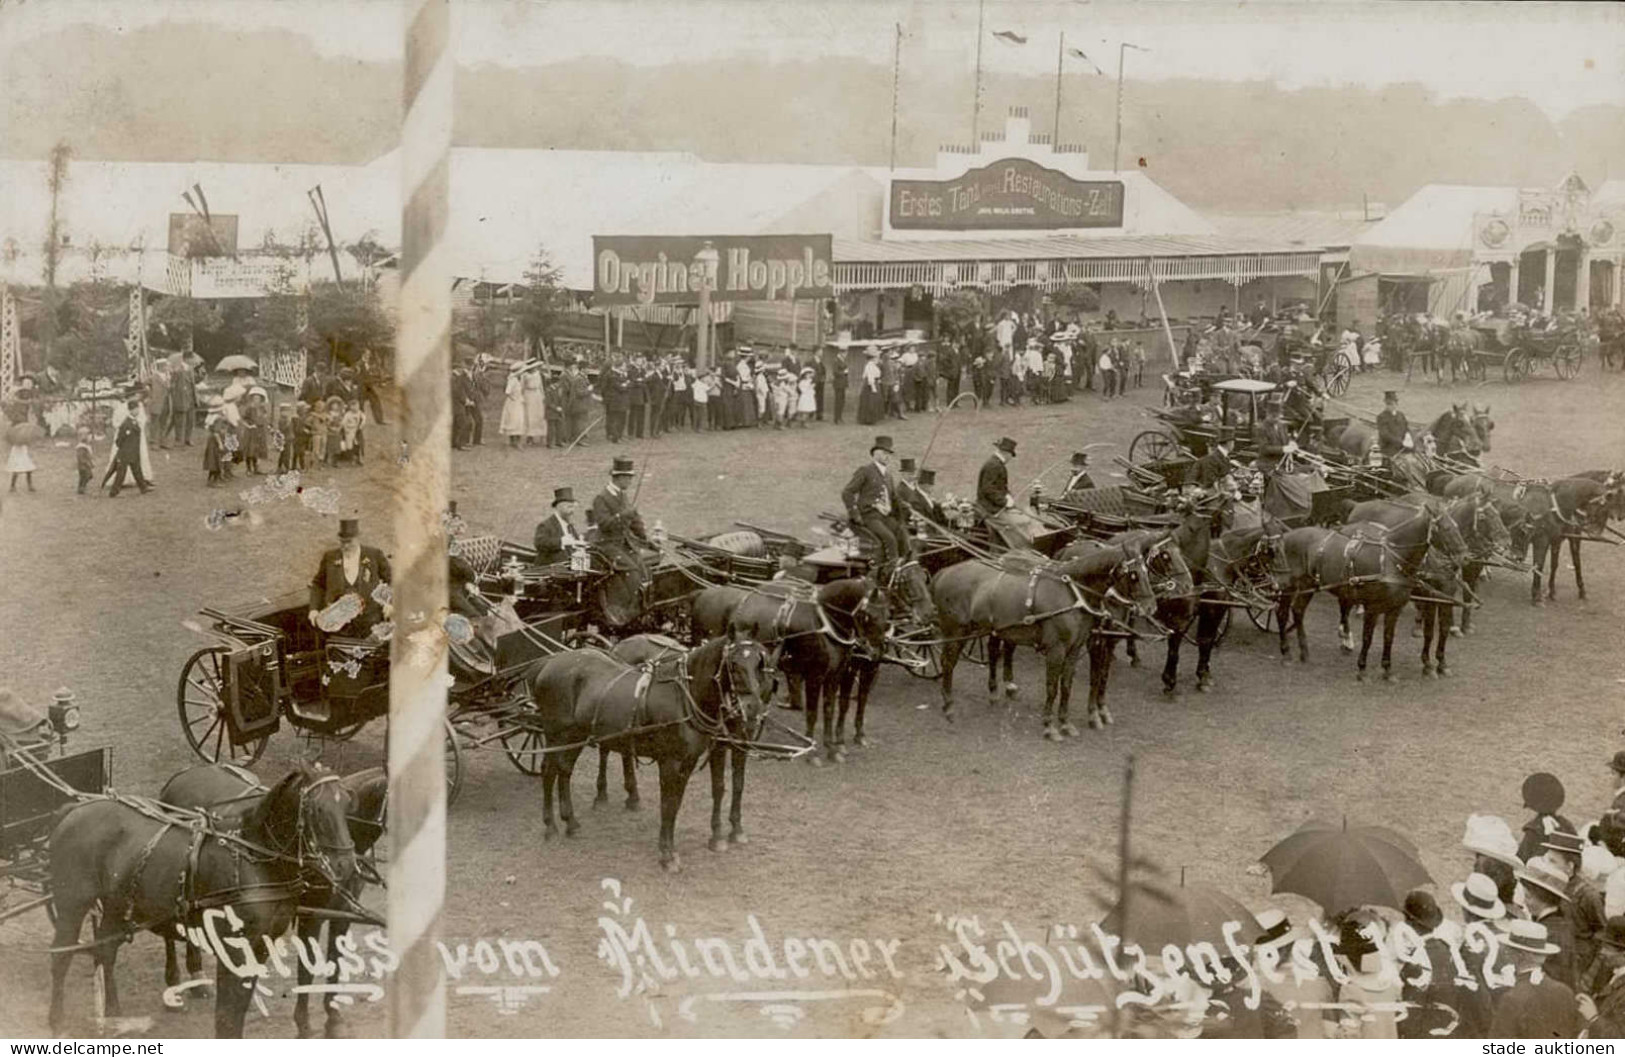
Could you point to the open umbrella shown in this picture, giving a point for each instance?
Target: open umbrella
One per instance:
(1181, 916)
(238, 363)
(1341, 866)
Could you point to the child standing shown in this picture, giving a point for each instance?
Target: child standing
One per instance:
(1139, 363)
(282, 439)
(301, 435)
(335, 430)
(81, 457)
(317, 420)
(350, 426)
(214, 452)
(806, 397)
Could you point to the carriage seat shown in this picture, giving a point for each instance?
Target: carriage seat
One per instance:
(480, 552)
(744, 543)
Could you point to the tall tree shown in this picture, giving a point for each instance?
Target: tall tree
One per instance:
(544, 297)
(56, 181)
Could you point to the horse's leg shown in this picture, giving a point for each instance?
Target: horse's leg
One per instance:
(1537, 546)
(1170, 664)
(674, 772)
(950, 659)
(1368, 628)
(1390, 621)
(1469, 576)
(1426, 612)
(629, 776)
(1133, 653)
(718, 762)
(1439, 664)
(1069, 669)
(843, 687)
(994, 645)
(810, 717)
(232, 994)
(1208, 619)
(1009, 668)
(1345, 636)
(1579, 577)
(736, 808)
(70, 919)
(1283, 622)
(602, 796)
(302, 933)
(550, 777)
(1300, 606)
(1052, 693)
(866, 683)
(567, 810)
(107, 935)
(1555, 551)
(826, 692)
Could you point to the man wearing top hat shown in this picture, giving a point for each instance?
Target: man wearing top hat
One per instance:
(620, 527)
(1216, 465)
(1274, 440)
(1080, 478)
(577, 393)
(1393, 431)
(996, 504)
(557, 533)
(874, 507)
(350, 568)
(913, 499)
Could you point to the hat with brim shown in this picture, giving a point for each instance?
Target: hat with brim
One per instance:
(621, 467)
(1390, 395)
(1545, 876)
(1566, 843)
(1527, 936)
(564, 495)
(1006, 445)
(1491, 837)
(349, 528)
(1614, 934)
(882, 443)
(1478, 896)
(927, 478)
(1080, 458)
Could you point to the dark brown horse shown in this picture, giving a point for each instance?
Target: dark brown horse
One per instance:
(228, 795)
(648, 650)
(150, 867)
(1052, 606)
(909, 592)
(1180, 607)
(813, 632)
(1506, 497)
(1568, 508)
(1365, 564)
(675, 709)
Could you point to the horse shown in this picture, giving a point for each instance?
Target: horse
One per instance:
(910, 591)
(228, 794)
(1355, 440)
(676, 708)
(1362, 563)
(1052, 606)
(1180, 608)
(1482, 533)
(814, 631)
(1568, 508)
(150, 868)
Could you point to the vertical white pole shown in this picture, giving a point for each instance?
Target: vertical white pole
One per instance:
(417, 690)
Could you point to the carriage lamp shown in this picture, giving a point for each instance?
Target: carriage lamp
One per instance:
(64, 714)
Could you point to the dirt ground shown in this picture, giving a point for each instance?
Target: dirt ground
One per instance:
(980, 818)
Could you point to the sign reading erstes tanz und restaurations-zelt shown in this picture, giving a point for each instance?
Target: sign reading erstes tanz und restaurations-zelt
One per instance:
(662, 269)
(1009, 194)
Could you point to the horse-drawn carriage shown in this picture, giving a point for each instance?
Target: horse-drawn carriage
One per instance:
(37, 777)
(1519, 350)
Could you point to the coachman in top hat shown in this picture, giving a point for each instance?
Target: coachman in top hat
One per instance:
(874, 508)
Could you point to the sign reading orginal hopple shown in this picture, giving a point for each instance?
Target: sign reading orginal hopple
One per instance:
(657, 269)
(1009, 194)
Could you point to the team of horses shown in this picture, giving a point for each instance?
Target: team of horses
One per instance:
(217, 839)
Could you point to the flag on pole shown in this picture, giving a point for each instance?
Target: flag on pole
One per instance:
(1009, 37)
(1077, 53)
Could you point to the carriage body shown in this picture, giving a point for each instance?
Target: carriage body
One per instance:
(29, 805)
(1520, 350)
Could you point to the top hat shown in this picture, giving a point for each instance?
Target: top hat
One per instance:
(451, 508)
(882, 443)
(1390, 394)
(349, 528)
(1006, 445)
(1543, 792)
(621, 467)
(564, 495)
(1618, 762)
(1080, 458)
(907, 465)
(1527, 936)
(1540, 873)
(928, 478)
(1478, 896)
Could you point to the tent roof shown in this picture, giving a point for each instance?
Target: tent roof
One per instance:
(1438, 217)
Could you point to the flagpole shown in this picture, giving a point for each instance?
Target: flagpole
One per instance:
(896, 75)
(1117, 139)
(1060, 50)
(976, 110)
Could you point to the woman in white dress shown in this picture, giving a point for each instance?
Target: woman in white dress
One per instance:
(19, 461)
(535, 408)
(512, 423)
(806, 397)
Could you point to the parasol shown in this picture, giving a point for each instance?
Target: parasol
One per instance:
(238, 363)
(1341, 867)
(1188, 914)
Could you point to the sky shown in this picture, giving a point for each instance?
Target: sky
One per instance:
(1558, 55)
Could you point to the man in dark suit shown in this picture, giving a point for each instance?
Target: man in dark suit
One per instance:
(1531, 1009)
(462, 399)
(1080, 478)
(182, 400)
(555, 535)
(620, 527)
(1392, 429)
(637, 398)
(820, 379)
(949, 365)
(577, 403)
(993, 480)
(314, 390)
(872, 507)
(1216, 465)
(1274, 439)
(838, 384)
(127, 448)
(911, 488)
(612, 387)
(350, 568)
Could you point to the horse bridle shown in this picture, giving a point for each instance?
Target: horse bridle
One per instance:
(307, 849)
(731, 708)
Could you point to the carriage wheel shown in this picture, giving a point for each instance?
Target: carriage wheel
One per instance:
(930, 657)
(526, 749)
(1567, 362)
(975, 651)
(1224, 625)
(1337, 382)
(1153, 445)
(200, 700)
(1516, 367)
(1263, 618)
(453, 764)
